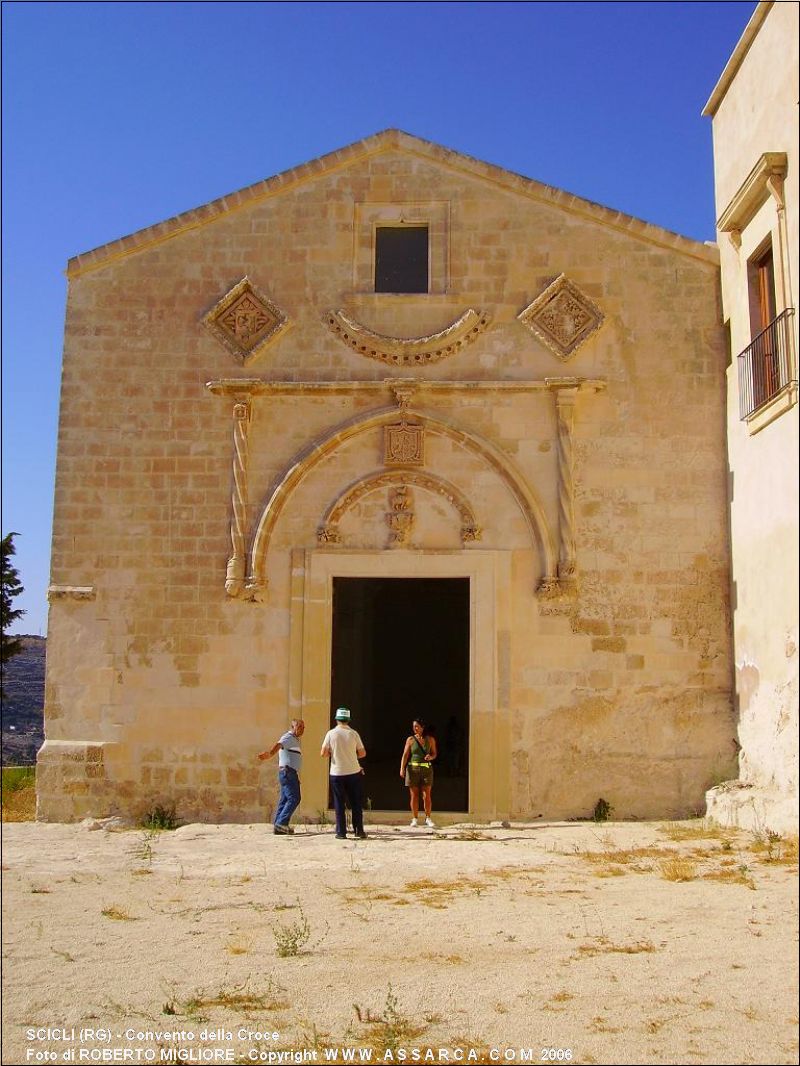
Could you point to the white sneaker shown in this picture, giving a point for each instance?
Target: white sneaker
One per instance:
(430, 823)
(413, 823)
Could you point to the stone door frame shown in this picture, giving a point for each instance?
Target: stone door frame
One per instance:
(311, 634)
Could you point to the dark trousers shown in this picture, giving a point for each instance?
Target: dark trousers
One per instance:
(289, 799)
(348, 788)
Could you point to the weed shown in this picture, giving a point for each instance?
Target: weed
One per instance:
(692, 831)
(438, 894)
(142, 849)
(732, 875)
(392, 1028)
(292, 937)
(602, 810)
(39, 890)
(634, 860)
(238, 998)
(18, 793)
(470, 834)
(562, 997)
(603, 946)
(161, 819)
(678, 869)
(117, 914)
(600, 1025)
(773, 848)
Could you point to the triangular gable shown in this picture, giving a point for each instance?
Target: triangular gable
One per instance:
(387, 140)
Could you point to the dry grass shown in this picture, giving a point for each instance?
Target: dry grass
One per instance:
(601, 945)
(613, 862)
(678, 869)
(732, 875)
(117, 914)
(774, 849)
(19, 794)
(694, 830)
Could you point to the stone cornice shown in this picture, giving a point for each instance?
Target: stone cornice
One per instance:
(378, 143)
(408, 351)
(243, 387)
(764, 179)
(737, 56)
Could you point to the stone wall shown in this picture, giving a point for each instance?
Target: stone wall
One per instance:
(594, 472)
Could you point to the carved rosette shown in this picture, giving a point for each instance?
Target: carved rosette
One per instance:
(408, 351)
(235, 574)
(245, 321)
(404, 443)
(562, 317)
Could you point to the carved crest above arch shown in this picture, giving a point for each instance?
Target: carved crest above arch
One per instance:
(396, 481)
(245, 321)
(408, 351)
(562, 317)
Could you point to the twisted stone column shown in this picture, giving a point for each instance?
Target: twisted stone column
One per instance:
(565, 415)
(237, 564)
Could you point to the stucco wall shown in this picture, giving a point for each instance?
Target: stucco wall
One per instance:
(758, 114)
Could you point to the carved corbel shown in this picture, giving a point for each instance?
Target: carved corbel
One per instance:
(235, 574)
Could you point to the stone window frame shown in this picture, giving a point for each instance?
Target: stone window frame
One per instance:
(369, 216)
(755, 218)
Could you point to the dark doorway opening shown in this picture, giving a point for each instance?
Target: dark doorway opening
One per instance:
(401, 651)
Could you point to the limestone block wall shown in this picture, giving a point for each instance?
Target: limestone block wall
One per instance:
(596, 480)
(754, 112)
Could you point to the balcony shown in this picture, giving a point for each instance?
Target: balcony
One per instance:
(766, 366)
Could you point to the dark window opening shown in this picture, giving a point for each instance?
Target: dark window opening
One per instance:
(401, 259)
(401, 651)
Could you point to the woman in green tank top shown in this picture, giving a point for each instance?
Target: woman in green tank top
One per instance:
(417, 772)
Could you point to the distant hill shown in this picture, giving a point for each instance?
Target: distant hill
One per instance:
(23, 703)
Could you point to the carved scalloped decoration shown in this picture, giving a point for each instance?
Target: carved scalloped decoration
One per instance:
(245, 321)
(328, 532)
(409, 351)
(562, 317)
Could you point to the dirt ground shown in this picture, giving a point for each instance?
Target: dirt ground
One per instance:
(613, 943)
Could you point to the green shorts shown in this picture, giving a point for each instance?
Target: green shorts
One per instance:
(419, 776)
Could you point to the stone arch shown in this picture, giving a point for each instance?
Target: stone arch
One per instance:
(324, 446)
(403, 475)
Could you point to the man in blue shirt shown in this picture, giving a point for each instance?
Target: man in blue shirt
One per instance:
(289, 762)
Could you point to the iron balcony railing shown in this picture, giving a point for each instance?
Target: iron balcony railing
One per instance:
(765, 366)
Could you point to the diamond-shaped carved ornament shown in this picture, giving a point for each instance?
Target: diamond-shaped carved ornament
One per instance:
(245, 321)
(562, 317)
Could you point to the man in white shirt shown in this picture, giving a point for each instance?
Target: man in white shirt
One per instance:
(345, 748)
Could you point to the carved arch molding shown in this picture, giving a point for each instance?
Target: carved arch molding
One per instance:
(246, 573)
(402, 477)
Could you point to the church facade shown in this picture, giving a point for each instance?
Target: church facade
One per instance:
(400, 430)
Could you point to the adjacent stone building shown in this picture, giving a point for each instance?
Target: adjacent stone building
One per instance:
(401, 430)
(754, 112)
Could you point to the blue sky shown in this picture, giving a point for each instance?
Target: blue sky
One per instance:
(118, 115)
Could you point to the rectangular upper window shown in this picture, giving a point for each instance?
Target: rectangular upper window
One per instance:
(401, 259)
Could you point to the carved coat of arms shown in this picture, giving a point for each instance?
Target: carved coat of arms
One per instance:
(404, 443)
